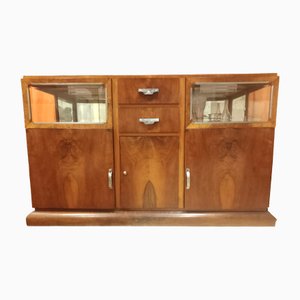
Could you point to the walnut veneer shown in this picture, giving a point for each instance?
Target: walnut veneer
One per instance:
(150, 163)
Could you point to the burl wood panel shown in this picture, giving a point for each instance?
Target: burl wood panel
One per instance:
(68, 168)
(151, 164)
(128, 90)
(129, 119)
(230, 169)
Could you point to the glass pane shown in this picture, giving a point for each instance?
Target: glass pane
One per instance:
(230, 102)
(65, 110)
(91, 112)
(68, 103)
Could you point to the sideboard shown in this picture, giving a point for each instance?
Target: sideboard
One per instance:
(150, 150)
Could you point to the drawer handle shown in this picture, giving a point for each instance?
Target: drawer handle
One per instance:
(148, 91)
(188, 178)
(149, 121)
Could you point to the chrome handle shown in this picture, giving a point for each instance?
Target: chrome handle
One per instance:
(148, 121)
(110, 180)
(188, 178)
(148, 91)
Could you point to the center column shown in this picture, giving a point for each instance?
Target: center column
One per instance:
(148, 141)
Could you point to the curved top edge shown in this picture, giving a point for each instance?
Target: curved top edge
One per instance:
(271, 75)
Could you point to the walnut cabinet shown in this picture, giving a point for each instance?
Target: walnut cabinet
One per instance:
(150, 150)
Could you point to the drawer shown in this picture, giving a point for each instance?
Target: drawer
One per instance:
(148, 90)
(135, 119)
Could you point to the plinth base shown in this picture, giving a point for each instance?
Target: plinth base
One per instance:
(149, 218)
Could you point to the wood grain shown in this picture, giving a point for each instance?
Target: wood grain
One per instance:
(68, 168)
(268, 77)
(274, 100)
(129, 119)
(210, 77)
(181, 143)
(151, 164)
(230, 169)
(269, 124)
(230, 163)
(168, 90)
(116, 141)
(146, 218)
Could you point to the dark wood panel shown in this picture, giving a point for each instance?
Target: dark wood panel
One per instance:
(147, 218)
(151, 164)
(230, 168)
(129, 119)
(68, 168)
(128, 90)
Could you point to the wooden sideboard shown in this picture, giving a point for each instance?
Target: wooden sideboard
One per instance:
(150, 150)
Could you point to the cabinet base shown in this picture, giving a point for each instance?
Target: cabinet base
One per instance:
(149, 218)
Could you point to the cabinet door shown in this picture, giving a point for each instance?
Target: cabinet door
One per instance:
(149, 172)
(70, 147)
(230, 169)
(69, 168)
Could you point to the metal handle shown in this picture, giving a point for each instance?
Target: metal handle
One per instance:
(149, 121)
(188, 178)
(148, 91)
(110, 180)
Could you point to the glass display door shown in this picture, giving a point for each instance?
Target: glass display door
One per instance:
(230, 102)
(70, 144)
(229, 142)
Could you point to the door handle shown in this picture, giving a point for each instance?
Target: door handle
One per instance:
(148, 91)
(188, 178)
(110, 179)
(148, 121)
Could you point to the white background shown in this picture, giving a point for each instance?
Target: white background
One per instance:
(148, 37)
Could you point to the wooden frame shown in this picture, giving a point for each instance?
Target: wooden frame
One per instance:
(31, 80)
(116, 143)
(269, 78)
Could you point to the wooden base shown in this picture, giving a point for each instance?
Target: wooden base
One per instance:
(149, 218)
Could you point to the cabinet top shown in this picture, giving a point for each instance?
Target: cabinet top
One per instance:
(213, 77)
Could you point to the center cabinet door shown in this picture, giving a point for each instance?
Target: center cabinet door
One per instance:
(149, 172)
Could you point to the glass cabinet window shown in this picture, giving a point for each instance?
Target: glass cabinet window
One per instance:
(230, 102)
(68, 103)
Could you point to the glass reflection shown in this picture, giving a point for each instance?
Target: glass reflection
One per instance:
(230, 102)
(68, 103)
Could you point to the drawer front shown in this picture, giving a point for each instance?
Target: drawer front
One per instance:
(148, 90)
(148, 119)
